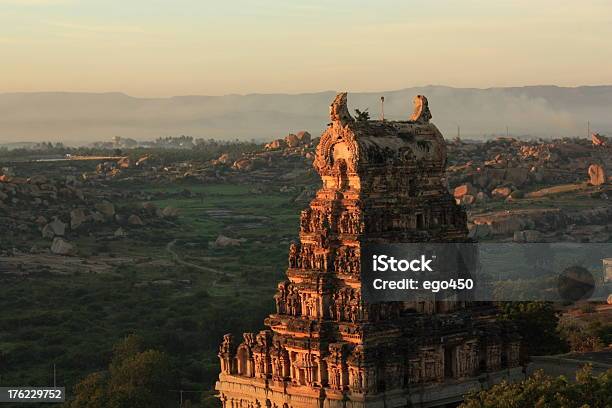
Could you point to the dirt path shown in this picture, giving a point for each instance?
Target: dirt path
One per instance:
(176, 258)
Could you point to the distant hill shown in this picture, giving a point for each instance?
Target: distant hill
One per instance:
(85, 117)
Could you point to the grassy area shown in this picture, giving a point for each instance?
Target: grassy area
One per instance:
(72, 321)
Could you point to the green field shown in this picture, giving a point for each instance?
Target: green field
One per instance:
(181, 293)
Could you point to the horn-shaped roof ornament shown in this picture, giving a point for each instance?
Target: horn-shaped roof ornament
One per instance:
(338, 110)
(421, 112)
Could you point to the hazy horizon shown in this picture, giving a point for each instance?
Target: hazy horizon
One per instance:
(81, 118)
(309, 92)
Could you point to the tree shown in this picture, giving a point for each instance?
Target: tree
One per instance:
(91, 392)
(537, 323)
(362, 116)
(141, 380)
(584, 336)
(542, 391)
(136, 378)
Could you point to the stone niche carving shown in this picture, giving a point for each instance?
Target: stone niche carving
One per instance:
(493, 357)
(337, 370)
(305, 368)
(245, 364)
(513, 354)
(347, 261)
(466, 359)
(288, 299)
(362, 375)
(312, 305)
(261, 354)
(426, 366)
(226, 355)
(294, 253)
(393, 374)
(308, 257)
(280, 362)
(314, 220)
(384, 311)
(346, 305)
(350, 223)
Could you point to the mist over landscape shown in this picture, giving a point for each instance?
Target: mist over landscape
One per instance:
(81, 118)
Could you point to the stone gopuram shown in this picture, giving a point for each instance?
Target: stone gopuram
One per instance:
(383, 182)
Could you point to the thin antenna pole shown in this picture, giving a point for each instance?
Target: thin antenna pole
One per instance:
(588, 128)
(54, 375)
(507, 132)
(458, 132)
(382, 108)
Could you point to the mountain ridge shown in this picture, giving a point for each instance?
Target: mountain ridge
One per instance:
(549, 86)
(83, 117)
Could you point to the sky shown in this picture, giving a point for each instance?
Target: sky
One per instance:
(157, 48)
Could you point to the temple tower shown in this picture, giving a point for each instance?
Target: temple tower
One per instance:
(383, 182)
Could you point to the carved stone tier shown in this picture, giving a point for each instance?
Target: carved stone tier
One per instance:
(383, 182)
